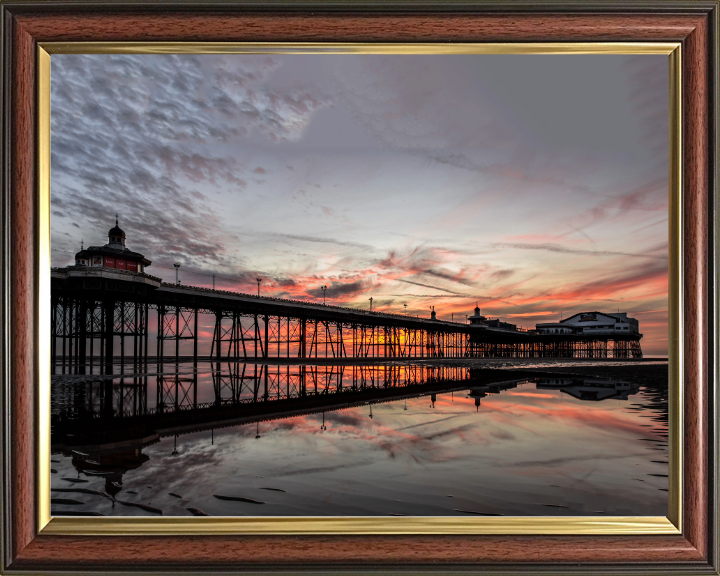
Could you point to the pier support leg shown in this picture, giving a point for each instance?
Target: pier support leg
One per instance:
(82, 323)
(303, 338)
(108, 334)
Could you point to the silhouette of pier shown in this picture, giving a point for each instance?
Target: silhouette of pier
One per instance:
(100, 315)
(107, 308)
(111, 410)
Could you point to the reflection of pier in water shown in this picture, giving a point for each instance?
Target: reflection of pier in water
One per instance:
(105, 424)
(114, 409)
(593, 389)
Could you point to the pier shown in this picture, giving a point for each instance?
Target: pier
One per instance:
(104, 306)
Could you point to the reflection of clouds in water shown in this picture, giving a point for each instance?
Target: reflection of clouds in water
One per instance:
(586, 458)
(561, 461)
(503, 435)
(343, 418)
(428, 423)
(323, 469)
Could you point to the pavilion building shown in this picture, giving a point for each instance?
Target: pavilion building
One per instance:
(114, 254)
(592, 324)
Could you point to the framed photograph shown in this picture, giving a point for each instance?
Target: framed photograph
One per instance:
(359, 288)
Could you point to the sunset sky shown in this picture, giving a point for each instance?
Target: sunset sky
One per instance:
(533, 185)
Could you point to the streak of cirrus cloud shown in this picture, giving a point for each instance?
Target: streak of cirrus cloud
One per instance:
(534, 186)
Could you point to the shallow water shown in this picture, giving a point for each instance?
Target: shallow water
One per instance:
(362, 440)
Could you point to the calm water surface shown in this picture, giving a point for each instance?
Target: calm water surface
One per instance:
(357, 440)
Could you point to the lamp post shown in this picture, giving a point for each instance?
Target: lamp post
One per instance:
(258, 281)
(324, 289)
(177, 277)
(370, 303)
(405, 304)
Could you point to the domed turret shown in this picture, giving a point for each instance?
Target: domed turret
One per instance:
(477, 318)
(116, 236)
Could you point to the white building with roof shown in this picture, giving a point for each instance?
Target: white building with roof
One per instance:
(593, 324)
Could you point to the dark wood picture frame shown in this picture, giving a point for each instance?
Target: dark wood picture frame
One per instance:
(692, 23)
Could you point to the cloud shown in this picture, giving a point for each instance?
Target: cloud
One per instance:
(341, 289)
(321, 240)
(532, 314)
(500, 275)
(429, 286)
(423, 260)
(637, 284)
(138, 135)
(649, 101)
(285, 282)
(567, 250)
(541, 175)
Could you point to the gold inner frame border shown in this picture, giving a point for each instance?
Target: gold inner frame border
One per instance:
(333, 525)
